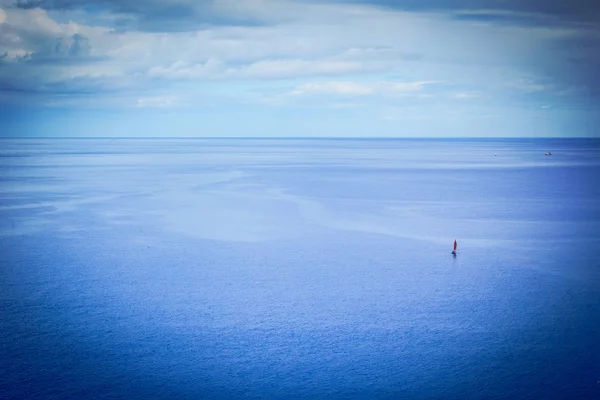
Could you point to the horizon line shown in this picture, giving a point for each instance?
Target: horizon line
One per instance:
(304, 137)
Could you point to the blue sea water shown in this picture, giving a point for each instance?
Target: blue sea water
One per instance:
(291, 269)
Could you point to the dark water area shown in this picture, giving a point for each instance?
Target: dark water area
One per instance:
(266, 268)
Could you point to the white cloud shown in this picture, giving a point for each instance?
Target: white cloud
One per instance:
(527, 85)
(344, 88)
(158, 102)
(34, 20)
(360, 50)
(466, 95)
(360, 89)
(35, 33)
(405, 87)
(267, 69)
(294, 68)
(16, 54)
(183, 70)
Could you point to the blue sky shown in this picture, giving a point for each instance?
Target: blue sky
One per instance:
(417, 68)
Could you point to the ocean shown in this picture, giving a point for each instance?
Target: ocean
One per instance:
(299, 269)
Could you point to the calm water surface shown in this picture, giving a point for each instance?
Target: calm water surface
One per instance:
(280, 269)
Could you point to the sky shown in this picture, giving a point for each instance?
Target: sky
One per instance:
(296, 68)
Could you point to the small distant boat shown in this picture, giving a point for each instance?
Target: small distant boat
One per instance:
(454, 251)
(548, 154)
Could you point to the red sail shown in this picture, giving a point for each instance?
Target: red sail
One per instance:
(455, 245)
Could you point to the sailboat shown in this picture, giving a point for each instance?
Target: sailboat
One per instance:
(454, 251)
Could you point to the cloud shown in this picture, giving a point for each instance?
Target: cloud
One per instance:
(295, 68)
(184, 70)
(267, 69)
(466, 95)
(32, 36)
(263, 49)
(504, 11)
(508, 17)
(159, 102)
(360, 89)
(173, 15)
(343, 88)
(529, 85)
(189, 14)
